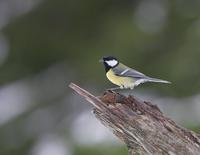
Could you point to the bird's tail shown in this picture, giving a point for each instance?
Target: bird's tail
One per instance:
(157, 80)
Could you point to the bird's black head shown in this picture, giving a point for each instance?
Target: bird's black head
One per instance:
(109, 62)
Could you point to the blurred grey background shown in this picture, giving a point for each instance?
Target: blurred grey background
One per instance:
(46, 44)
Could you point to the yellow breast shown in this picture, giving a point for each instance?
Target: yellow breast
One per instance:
(126, 82)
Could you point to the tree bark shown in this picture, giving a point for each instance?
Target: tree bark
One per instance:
(141, 125)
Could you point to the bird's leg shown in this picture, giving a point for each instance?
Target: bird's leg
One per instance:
(115, 88)
(131, 88)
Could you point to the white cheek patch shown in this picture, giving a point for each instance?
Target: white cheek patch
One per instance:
(112, 63)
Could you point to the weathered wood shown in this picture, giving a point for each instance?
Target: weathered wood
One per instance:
(141, 125)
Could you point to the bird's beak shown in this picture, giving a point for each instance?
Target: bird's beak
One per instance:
(101, 60)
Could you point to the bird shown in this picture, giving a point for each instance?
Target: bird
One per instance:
(123, 76)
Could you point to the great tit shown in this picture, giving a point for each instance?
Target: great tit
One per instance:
(123, 76)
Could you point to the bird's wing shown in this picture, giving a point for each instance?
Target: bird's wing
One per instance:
(122, 70)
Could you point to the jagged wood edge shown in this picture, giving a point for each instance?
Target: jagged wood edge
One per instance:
(101, 110)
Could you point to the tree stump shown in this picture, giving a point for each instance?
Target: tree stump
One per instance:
(141, 125)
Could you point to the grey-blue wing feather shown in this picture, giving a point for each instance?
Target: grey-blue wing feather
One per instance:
(128, 72)
(124, 71)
